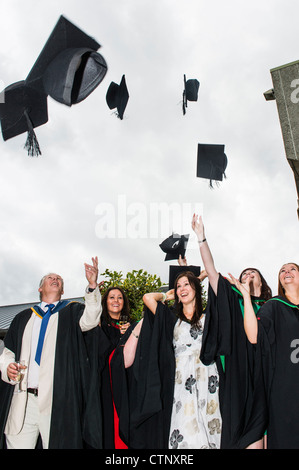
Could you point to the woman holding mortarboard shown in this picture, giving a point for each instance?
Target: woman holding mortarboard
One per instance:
(276, 387)
(226, 341)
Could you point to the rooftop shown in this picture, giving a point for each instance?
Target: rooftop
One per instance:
(8, 312)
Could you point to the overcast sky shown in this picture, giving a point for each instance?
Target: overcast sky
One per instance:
(117, 188)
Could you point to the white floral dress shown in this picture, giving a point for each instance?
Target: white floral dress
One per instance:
(195, 420)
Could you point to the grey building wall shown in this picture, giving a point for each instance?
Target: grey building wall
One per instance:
(286, 93)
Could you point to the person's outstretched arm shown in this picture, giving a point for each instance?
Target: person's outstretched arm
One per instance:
(131, 345)
(206, 255)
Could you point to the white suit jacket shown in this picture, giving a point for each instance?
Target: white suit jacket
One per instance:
(90, 319)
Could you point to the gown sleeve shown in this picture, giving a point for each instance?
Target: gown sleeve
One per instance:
(224, 337)
(217, 336)
(143, 393)
(258, 417)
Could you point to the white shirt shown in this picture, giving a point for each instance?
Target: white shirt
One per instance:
(33, 367)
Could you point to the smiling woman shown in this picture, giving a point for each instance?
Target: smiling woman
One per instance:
(115, 308)
(276, 387)
(194, 412)
(228, 330)
(288, 279)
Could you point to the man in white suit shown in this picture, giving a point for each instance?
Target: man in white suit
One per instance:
(57, 368)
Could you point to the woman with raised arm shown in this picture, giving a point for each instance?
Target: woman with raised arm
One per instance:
(276, 389)
(195, 415)
(225, 339)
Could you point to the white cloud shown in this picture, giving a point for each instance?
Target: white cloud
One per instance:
(48, 204)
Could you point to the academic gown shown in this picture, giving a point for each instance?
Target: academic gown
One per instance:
(100, 343)
(69, 420)
(276, 388)
(224, 335)
(113, 335)
(143, 393)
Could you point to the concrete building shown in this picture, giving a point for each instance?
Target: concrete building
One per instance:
(286, 93)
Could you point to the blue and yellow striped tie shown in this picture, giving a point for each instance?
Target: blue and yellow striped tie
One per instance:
(42, 332)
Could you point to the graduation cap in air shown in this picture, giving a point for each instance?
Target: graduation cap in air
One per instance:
(211, 162)
(68, 69)
(190, 92)
(21, 110)
(174, 246)
(118, 96)
(176, 270)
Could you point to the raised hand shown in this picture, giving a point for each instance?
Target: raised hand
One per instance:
(198, 227)
(182, 261)
(91, 272)
(243, 288)
(203, 275)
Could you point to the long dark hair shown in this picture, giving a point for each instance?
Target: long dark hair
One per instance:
(126, 309)
(281, 290)
(196, 285)
(266, 292)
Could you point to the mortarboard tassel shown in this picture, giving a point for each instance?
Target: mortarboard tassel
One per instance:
(184, 103)
(217, 182)
(31, 145)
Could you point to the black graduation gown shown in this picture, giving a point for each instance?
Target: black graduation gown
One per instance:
(69, 420)
(143, 394)
(100, 343)
(224, 335)
(113, 335)
(276, 389)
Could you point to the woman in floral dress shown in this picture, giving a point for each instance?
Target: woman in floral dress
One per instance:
(195, 418)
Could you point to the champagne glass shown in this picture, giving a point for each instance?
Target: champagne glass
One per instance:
(123, 320)
(21, 372)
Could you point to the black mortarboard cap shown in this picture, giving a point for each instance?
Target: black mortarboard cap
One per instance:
(118, 96)
(174, 246)
(21, 110)
(175, 270)
(190, 92)
(211, 162)
(68, 67)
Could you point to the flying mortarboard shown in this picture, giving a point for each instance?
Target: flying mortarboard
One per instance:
(190, 92)
(68, 69)
(211, 162)
(175, 270)
(21, 110)
(174, 246)
(118, 96)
